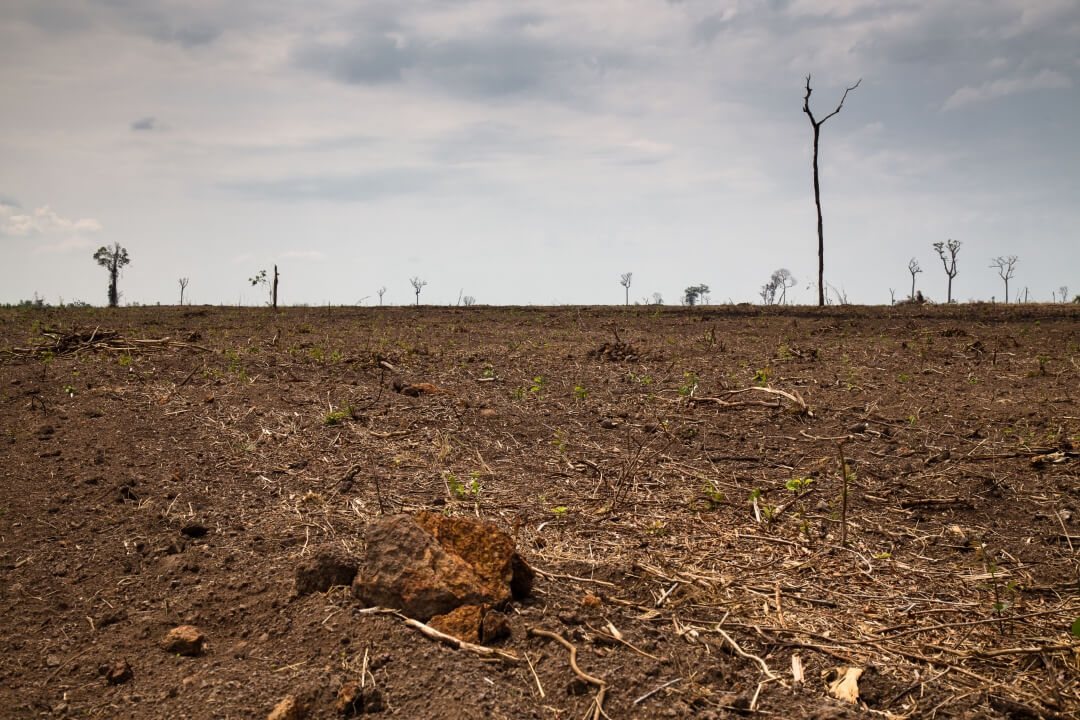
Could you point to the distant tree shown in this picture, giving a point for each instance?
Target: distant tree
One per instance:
(260, 279)
(469, 300)
(892, 296)
(768, 292)
(417, 285)
(657, 299)
(914, 269)
(1063, 293)
(696, 295)
(381, 291)
(624, 280)
(816, 125)
(953, 247)
(783, 280)
(113, 259)
(183, 286)
(1006, 269)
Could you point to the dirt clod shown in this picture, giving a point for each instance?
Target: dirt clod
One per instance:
(288, 708)
(118, 673)
(184, 640)
(354, 700)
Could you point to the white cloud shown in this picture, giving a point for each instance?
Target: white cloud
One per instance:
(1002, 87)
(43, 221)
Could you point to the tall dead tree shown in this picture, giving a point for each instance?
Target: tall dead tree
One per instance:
(816, 125)
(183, 286)
(914, 269)
(1006, 267)
(953, 246)
(624, 280)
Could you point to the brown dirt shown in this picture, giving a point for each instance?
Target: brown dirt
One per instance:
(165, 467)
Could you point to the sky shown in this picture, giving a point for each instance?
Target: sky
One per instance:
(524, 152)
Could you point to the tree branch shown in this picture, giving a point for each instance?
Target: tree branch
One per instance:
(841, 105)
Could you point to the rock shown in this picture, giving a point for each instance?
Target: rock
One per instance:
(184, 640)
(289, 708)
(118, 673)
(325, 568)
(464, 623)
(428, 564)
(52, 660)
(591, 601)
(355, 700)
(495, 626)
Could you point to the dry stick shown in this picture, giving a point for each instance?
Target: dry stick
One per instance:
(748, 656)
(443, 637)
(843, 495)
(535, 676)
(649, 694)
(599, 701)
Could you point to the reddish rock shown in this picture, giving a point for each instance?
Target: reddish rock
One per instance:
(428, 564)
(495, 626)
(184, 640)
(325, 568)
(464, 623)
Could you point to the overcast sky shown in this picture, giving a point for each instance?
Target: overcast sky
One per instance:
(531, 152)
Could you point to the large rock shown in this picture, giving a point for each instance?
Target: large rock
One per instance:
(428, 564)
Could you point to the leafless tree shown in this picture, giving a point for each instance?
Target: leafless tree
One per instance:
(112, 259)
(624, 280)
(892, 296)
(657, 299)
(417, 285)
(1006, 267)
(469, 300)
(953, 247)
(1063, 293)
(816, 125)
(768, 292)
(784, 280)
(914, 269)
(380, 292)
(183, 285)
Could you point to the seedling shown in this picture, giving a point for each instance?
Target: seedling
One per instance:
(538, 385)
(1042, 359)
(338, 417)
(761, 377)
(714, 495)
(688, 388)
(581, 392)
(69, 390)
(559, 440)
(761, 509)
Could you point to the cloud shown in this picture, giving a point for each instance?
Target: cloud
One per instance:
(361, 187)
(1002, 87)
(144, 124)
(43, 221)
(367, 58)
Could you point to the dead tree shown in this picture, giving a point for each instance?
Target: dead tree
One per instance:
(183, 285)
(953, 246)
(624, 280)
(1006, 269)
(381, 291)
(914, 269)
(417, 285)
(112, 259)
(816, 125)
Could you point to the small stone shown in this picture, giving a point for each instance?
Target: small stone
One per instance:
(289, 708)
(52, 661)
(591, 601)
(184, 640)
(118, 673)
(355, 700)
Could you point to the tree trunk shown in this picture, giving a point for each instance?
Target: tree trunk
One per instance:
(275, 287)
(820, 226)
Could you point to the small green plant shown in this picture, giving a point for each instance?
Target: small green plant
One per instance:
(454, 485)
(124, 360)
(714, 496)
(797, 485)
(761, 377)
(903, 377)
(489, 372)
(338, 417)
(657, 528)
(973, 379)
(688, 388)
(581, 392)
(1002, 593)
(559, 511)
(69, 390)
(559, 441)
(519, 393)
(538, 386)
(766, 511)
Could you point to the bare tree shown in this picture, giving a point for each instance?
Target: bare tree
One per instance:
(953, 246)
(1063, 293)
(892, 296)
(469, 300)
(1006, 269)
(417, 285)
(183, 286)
(768, 292)
(624, 280)
(914, 269)
(784, 280)
(657, 299)
(816, 125)
(381, 291)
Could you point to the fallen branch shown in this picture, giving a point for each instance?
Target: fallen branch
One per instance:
(793, 397)
(450, 640)
(599, 701)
